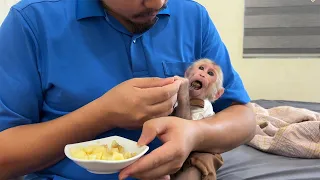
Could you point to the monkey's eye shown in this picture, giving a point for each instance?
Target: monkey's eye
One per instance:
(201, 68)
(211, 73)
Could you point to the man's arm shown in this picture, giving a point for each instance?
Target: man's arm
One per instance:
(216, 134)
(21, 134)
(226, 130)
(47, 140)
(27, 143)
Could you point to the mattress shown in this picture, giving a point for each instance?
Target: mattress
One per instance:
(246, 162)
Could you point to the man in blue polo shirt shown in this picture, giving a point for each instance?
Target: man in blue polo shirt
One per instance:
(76, 70)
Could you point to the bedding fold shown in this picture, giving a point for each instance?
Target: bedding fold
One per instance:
(287, 131)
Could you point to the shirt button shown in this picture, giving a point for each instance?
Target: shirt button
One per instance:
(134, 41)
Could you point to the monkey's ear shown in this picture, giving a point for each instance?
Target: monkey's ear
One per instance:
(219, 93)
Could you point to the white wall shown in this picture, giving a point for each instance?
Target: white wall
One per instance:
(4, 8)
(286, 79)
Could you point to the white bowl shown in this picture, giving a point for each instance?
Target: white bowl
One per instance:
(107, 166)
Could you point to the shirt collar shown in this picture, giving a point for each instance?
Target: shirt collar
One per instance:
(89, 8)
(93, 8)
(165, 11)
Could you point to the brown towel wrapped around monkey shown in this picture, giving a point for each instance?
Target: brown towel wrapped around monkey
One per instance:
(199, 166)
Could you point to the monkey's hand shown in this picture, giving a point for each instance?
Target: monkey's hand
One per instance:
(183, 93)
(183, 108)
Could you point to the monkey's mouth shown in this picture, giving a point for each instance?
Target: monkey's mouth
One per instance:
(196, 85)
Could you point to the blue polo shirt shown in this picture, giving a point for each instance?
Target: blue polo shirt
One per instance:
(58, 55)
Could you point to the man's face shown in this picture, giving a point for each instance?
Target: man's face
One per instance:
(140, 14)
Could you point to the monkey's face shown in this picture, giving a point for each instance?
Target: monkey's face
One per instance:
(202, 78)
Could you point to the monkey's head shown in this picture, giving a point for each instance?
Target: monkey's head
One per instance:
(206, 80)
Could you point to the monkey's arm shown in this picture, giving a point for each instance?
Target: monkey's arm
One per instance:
(183, 110)
(226, 130)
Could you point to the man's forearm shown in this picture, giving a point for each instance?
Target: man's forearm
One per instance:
(226, 130)
(30, 148)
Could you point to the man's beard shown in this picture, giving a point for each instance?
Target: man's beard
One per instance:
(142, 27)
(139, 28)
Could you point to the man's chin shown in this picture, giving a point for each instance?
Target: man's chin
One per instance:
(140, 26)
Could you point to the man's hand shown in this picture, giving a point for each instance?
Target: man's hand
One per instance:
(179, 137)
(138, 100)
(127, 105)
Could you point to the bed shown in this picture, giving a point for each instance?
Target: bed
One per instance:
(246, 162)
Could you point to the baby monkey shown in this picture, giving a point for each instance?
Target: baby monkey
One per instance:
(204, 87)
